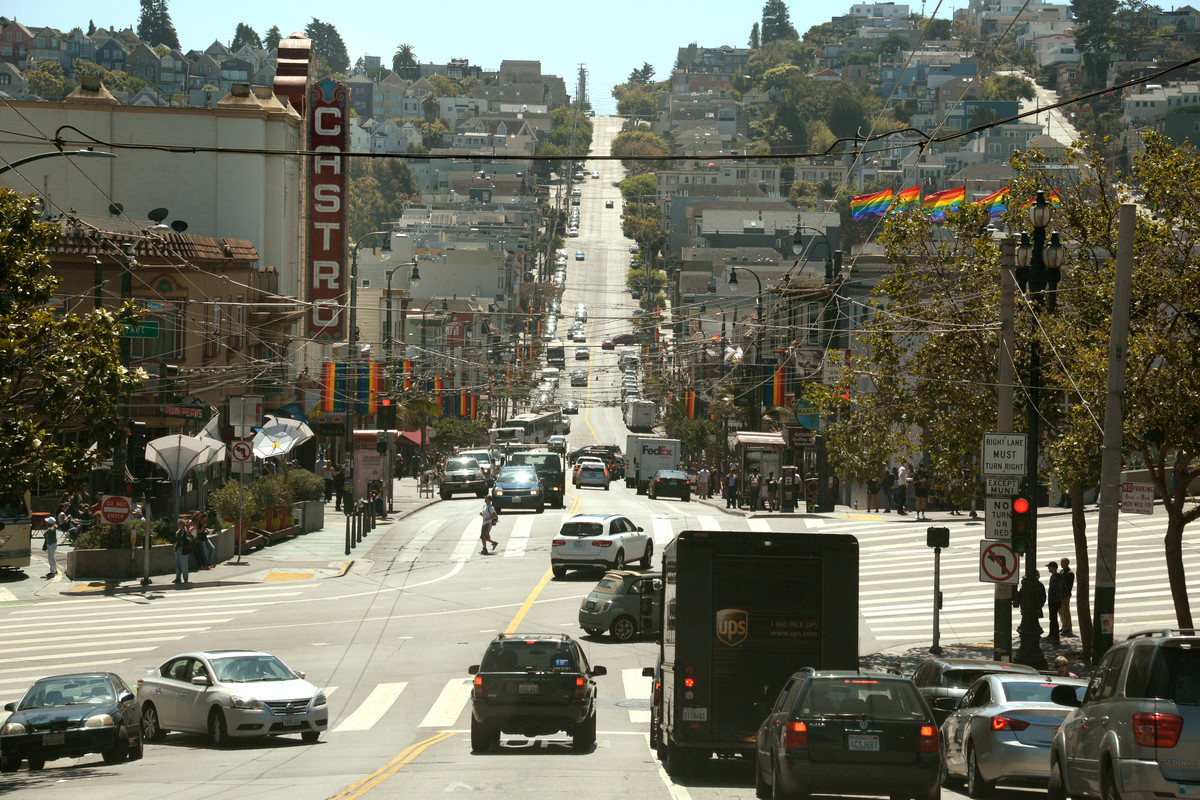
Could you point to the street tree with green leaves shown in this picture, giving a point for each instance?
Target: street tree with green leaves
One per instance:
(154, 24)
(245, 35)
(328, 46)
(61, 376)
(777, 22)
(633, 147)
(48, 81)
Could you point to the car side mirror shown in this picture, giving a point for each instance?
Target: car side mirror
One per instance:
(125, 697)
(10, 706)
(1064, 695)
(200, 680)
(639, 529)
(647, 672)
(945, 703)
(598, 671)
(298, 673)
(474, 668)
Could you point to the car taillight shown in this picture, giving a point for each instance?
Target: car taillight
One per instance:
(657, 692)
(580, 687)
(930, 741)
(1008, 724)
(601, 543)
(1157, 730)
(795, 736)
(478, 686)
(559, 543)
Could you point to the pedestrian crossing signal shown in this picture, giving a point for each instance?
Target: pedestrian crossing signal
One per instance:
(1022, 524)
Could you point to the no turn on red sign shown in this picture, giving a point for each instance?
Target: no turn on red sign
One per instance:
(997, 563)
(115, 509)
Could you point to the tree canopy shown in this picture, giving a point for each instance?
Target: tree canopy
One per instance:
(245, 35)
(154, 24)
(328, 45)
(776, 22)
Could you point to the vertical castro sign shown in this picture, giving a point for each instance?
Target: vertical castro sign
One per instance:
(327, 279)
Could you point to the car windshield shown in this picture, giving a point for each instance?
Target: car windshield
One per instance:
(873, 698)
(528, 654)
(461, 463)
(67, 691)
(540, 461)
(524, 475)
(592, 468)
(249, 669)
(1033, 691)
(581, 529)
(481, 458)
(963, 678)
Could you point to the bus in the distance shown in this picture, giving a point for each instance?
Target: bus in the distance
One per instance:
(556, 354)
(539, 426)
(15, 531)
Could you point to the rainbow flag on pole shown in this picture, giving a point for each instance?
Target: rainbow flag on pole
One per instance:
(996, 203)
(939, 204)
(870, 205)
(906, 197)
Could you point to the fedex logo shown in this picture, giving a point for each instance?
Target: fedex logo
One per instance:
(660, 450)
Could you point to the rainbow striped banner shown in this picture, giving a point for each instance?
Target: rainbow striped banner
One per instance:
(777, 395)
(691, 404)
(870, 205)
(905, 198)
(375, 376)
(996, 203)
(939, 204)
(328, 378)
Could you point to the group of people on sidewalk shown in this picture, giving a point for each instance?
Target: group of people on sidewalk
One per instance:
(756, 492)
(1032, 597)
(192, 538)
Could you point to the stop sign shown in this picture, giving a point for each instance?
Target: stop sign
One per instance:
(115, 509)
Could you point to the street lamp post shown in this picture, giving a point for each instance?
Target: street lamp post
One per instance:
(55, 154)
(352, 334)
(757, 398)
(413, 280)
(1037, 274)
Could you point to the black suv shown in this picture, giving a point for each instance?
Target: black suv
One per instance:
(533, 685)
(1134, 734)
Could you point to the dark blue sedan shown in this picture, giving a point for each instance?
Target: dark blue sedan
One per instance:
(518, 487)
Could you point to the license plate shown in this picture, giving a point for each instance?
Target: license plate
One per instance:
(51, 739)
(527, 688)
(694, 714)
(291, 721)
(863, 742)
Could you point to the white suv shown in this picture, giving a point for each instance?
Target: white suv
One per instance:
(597, 541)
(1134, 734)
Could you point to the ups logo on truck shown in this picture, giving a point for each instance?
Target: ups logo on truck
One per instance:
(732, 626)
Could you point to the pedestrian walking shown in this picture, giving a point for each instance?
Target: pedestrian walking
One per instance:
(1068, 587)
(754, 485)
(910, 489)
(702, 482)
(183, 550)
(731, 489)
(1054, 600)
(206, 552)
(50, 544)
(772, 492)
(339, 477)
(901, 488)
(887, 483)
(490, 517)
(327, 473)
(921, 493)
(872, 494)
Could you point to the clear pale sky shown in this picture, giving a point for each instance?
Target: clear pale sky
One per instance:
(610, 38)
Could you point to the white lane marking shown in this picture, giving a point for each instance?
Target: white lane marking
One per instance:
(412, 550)
(676, 791)
(5, 662)
(64, 668)
(663, 532)
(815, 523)
(637, 687)
(515, 546)
(94, 640)
(708, 523)
(467, 542)
(449, 705)
(759, 525)
(98, 606)
(6, 596)
(371, 710)
(91, 625)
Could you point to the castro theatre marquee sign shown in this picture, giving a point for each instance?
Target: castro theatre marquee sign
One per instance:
(327, 278)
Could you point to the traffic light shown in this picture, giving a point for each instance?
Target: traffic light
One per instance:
(1022, 524)
(387, 413)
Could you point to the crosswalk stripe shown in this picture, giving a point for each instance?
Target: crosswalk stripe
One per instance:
(515, 546)
(371, 710)
(759, 525)
(6, 596)
(637, 687)
(6, 662)
(162, 621)
(449, 705)
(663, 532)
(411, 550)
(97, 606)
(60, 669)
(467, 542)
(92, 640)
(708, 523)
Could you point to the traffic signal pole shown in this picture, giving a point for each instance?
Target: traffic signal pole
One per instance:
(1002, 601)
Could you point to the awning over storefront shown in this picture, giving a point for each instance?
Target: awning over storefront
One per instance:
(759, 439)
(414, 437)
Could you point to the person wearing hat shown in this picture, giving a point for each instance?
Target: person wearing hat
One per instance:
(1062, 668)
(50, 544)
(1054, 596)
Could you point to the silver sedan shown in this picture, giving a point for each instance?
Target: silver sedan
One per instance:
(224, 693)
(1001, 730)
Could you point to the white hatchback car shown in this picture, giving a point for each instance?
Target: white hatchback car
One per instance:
(599, 541)
(228, 693)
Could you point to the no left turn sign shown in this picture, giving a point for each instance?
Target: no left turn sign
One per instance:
(997, 562)
(241, 451)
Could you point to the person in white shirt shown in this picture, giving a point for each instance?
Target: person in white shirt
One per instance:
(901, 488)
(490, 518)
(702, 481)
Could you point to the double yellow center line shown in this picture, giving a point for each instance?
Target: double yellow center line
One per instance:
(391, 768)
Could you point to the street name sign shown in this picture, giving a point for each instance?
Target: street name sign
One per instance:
(115, 509)
(1003, 454)
(997, 518)
(1137, 498)
(997, 563)
(146, 329)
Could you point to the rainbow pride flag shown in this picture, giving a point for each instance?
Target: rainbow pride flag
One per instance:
(1051, 197)
(939, 204)
(906, 197)
(870, 205)
(996, 203)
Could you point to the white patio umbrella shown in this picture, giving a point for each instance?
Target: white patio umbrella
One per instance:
(275, 440)
(178, 455)
(304, 433)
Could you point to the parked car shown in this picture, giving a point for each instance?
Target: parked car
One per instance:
(633, 248)
(518, 487)
(462, 475)
(590, 474)
(1133, 735)
(1001, 731)
(943, 681)
(670, 483)
(624, 603)
(595, 541)
(70, 716)
(230, 693)
(533, 685)
(848, 732)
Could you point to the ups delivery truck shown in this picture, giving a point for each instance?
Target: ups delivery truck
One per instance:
(742, 611)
